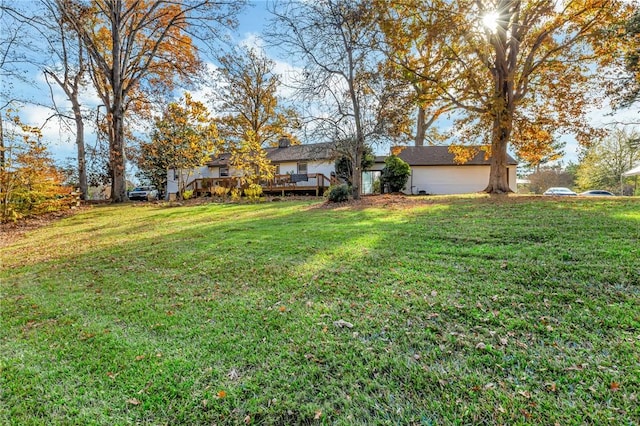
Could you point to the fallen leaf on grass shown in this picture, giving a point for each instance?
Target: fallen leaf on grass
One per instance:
(577, 367)
(526, 394)
(615, 386)
(140, 357)
(318, 415)
(342, 324)
(247, 420)
(233, 374)
(133, 401)
(221, 394)
(111, 375)
(552, 387)
(526, 414)
(86, 336)
(282, 308)
(481, 346)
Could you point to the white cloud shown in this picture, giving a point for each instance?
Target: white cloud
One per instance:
(253, 40)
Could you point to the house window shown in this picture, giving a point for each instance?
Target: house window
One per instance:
(277, 171)
(302, 168)
(175, 174)
(224, 171)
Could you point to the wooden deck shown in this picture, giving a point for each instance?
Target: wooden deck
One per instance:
(311, 183)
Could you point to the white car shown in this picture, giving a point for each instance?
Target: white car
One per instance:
(143, 193)
(596, 193)
(559, 191)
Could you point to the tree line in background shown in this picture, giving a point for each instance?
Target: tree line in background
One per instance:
(496, 74)
(600, 166)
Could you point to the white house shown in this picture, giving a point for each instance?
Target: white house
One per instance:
(434, 171)
(310, 168)
(298, 168)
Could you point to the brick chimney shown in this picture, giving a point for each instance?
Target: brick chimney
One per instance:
(284, 142)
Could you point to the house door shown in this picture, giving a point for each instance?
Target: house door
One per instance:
(368, 180)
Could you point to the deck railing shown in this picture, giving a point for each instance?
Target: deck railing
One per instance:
(315, 182)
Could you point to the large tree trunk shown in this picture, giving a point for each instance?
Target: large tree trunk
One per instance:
(498, 176)
(82, 161)
(118, 179)
(421, 128)
(117, 159)
(501, 133)
(504, 105)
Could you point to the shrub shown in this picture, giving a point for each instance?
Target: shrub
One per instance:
(377, 186)
(236, 194)
(395, 173)
(338, 193)
(187, 194)
(253, 192)
(221, 191)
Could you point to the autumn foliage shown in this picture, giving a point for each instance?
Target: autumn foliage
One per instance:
(520, 74)
(30, 184)
(183, 138)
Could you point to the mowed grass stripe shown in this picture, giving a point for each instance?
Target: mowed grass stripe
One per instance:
(464, 310)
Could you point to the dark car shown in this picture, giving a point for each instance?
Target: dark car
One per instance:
(596, 193)
(143, 193)
(559, 191)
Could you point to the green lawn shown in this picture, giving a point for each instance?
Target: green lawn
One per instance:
(464, 310)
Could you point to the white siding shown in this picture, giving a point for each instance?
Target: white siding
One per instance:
(197, 173)
(326, 168)
(286, 168)
(452, 179)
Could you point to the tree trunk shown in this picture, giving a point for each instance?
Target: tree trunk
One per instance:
(498, 175)
(82, 161)
(117, 159)
(421, 128)
(356, 175)
(118, 179)
(2, 153)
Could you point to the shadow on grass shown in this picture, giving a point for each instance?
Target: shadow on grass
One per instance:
(466, 311)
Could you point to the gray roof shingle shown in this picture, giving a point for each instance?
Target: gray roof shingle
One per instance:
(440, 156)
(307, 152)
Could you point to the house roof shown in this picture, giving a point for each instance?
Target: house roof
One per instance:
(307, 152)
(219, 160)
(440, 156)
(316, 151)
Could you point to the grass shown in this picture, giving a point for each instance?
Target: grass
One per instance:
(464, 310)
